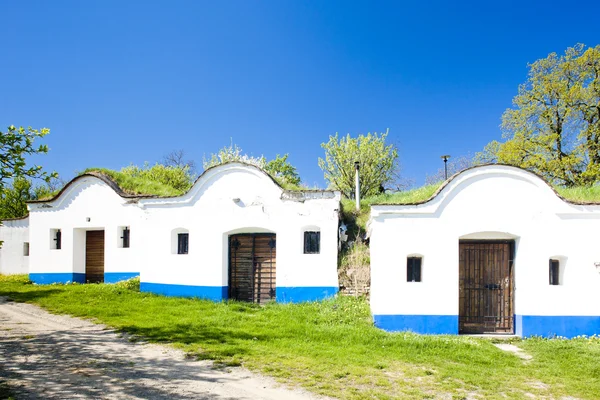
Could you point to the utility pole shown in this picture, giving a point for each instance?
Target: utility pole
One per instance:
(445, 158)
(357, 186)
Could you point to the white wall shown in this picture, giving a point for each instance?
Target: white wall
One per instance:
(491, 202)
(210, 214)
(87, 204)
(14, 234)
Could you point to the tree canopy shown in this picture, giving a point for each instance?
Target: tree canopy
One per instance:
(554, 127)
(378, 163)
(15, 145)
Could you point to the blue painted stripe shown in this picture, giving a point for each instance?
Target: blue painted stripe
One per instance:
(47, 278)
(426, 324)
(304, 293)
(114, 277)
(215, 293)
(551, 326)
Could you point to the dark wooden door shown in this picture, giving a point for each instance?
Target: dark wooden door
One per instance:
(252, 267)
(486, 287)
(94, 256)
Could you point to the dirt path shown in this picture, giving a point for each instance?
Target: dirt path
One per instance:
(46, 356)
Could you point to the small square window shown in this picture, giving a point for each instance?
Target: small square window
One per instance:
(554, 270)
(413, 269)
(312, 242)
(182, 243)
(26, 249)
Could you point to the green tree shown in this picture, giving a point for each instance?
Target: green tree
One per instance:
(281, 169)
(15, 145)
(378, 163)
(14, 197)
(554, 127)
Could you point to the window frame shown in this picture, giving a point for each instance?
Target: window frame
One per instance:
(414, 270)
(312, 242)
(126, 238)
(183, 243)
(554, 272)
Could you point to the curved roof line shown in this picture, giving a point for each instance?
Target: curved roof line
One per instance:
(448, 181)
(115, 186)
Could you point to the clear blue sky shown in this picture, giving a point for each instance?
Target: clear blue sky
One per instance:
(121, 82)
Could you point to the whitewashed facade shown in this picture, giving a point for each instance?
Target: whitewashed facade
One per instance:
(181, 245)
(552, 286)
(14, 253)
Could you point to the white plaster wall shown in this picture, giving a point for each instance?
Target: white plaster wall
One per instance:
(88, 197)
(210, 214)
(492, 202)
(14, 233)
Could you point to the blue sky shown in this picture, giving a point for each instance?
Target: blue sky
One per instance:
(121, 82)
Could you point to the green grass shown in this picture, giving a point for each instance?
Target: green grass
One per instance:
(138, 185)
(582, 194)
(331, 347)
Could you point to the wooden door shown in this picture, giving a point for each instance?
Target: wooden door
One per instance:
(486, 287)
(252, 267)
(94, 256)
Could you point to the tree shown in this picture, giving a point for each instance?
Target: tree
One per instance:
(554, 127)
(15, 144)
(177, 158)
(455, 165)
(378, 163)
(279, 168)
(14, 198)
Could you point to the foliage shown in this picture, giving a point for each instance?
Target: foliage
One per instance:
(330, 347)
(554, 127)
(378, 163)
(14, 198)
(279, 168)
(455, 165)
(355, 267)
(15, 144)
(157, 180)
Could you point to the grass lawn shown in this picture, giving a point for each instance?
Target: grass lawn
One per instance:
(330, 347)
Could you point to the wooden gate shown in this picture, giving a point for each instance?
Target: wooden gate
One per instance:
(94, 256)
(486, 287)
(252, 267)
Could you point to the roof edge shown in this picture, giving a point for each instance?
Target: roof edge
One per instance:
(456, 175)
(115, 186)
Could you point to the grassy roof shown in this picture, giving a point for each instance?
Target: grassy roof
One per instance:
(138, 185)
(580, 194)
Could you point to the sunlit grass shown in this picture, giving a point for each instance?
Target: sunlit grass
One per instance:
(329, 347)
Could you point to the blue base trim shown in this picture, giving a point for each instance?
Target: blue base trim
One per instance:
(551, 326)
(47, 278)
(114, 277)
(215, 293)
(427, 324)
(301, 294)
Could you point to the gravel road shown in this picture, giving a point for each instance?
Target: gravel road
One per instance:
(46, 356)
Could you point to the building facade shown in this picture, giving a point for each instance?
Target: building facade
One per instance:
(235, 234)
(496, 250)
